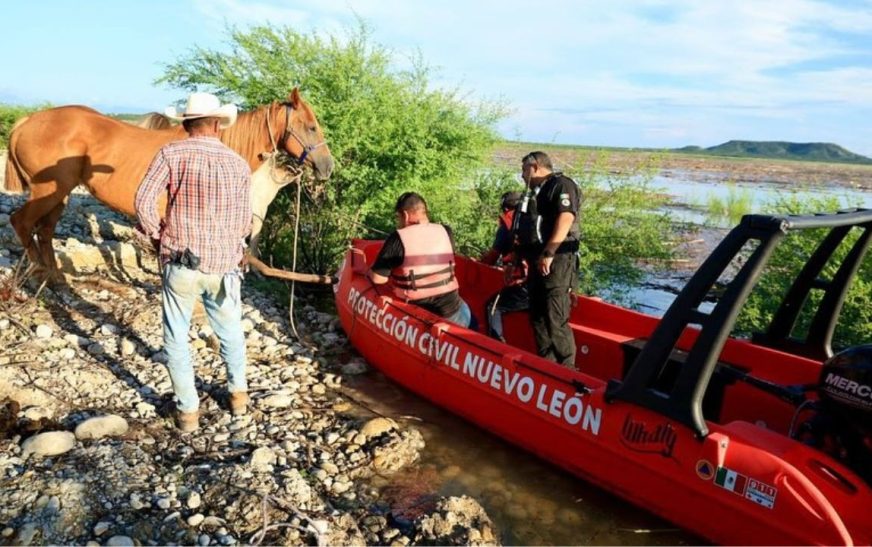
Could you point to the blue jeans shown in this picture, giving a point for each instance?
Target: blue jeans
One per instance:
(463, 316)
(222, 301)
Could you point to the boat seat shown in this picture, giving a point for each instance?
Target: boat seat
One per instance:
(611, 336)
(714, 397)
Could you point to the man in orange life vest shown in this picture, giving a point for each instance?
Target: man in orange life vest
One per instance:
(514, 296)
(418, 260)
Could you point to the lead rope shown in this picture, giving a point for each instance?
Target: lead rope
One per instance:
(298, 176)
(294, 258)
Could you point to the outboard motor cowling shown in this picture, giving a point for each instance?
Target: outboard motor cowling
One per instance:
(845, 391)
(845, 386)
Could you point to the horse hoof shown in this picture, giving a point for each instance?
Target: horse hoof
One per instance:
(56, 278)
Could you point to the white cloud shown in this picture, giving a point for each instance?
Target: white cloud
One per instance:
(671, 69)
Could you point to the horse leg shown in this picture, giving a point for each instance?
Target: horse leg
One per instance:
(27, 218)
(45, 235)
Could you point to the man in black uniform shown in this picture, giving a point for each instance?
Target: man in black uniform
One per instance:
(548, 239)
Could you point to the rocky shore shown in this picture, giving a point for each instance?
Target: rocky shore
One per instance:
(88, 450)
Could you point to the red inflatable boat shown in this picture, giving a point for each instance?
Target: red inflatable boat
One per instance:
(671, 414)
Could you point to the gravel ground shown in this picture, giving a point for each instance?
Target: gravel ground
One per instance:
(88, 450)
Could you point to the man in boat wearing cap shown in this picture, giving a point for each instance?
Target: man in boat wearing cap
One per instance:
(513, 297)
(418, 261)
(548, 239)
(201, 242)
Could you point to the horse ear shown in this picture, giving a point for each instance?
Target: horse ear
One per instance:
(294, 97)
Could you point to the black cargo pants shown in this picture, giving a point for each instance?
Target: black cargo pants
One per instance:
(549, 308)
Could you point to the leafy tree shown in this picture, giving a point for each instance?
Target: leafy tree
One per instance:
(387, 129)
(390, 132)
(622, 225)
(855, 322)
(9, 114)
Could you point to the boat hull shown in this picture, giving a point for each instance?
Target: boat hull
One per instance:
(741, 484)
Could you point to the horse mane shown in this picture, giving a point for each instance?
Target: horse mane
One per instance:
(249, 136)
(154, 120)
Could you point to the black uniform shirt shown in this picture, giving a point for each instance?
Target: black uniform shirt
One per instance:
(559, 194)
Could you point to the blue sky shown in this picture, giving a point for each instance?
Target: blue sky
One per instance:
(643, 73)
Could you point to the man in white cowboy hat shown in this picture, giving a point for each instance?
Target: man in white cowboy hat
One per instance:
(207, 217)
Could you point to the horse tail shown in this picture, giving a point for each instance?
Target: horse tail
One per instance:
(15, 178)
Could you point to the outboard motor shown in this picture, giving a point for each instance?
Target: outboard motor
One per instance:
(843, 427)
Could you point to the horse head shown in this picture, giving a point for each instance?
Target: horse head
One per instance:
(303, 138)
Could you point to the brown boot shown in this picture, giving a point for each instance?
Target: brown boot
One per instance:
(188, 422)
(238, 403)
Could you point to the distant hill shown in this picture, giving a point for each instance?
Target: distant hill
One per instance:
(809, 151)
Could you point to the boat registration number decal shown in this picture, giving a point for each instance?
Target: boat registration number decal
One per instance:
(761, 493)
(751, 489)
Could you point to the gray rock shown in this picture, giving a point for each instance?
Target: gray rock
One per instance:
(102, 527)
(277, 400)
(377, 426)
(51, 443)
(145, 409)
(341, 487)
(35, 413)
(195, 519)
(76, 340)
(262, 459)
(96, 348)
(120, 541)
(26, 534)
(101, 426)
(194, 500)
(127, 347)
(355, 366)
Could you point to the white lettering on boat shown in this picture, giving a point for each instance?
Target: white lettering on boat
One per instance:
(566, 406)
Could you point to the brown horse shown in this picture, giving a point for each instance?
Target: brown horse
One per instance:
(55, 150)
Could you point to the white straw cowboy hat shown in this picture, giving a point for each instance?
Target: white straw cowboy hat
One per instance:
(205, 105)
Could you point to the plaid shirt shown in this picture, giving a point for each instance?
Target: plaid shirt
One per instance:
(209, 206)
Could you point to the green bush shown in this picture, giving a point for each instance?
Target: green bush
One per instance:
(622, 225)
(388, 132)
(9, 114)
(734, 206)
(855, 324)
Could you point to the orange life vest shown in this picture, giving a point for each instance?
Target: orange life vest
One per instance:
(510, 259)
(428, 263)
